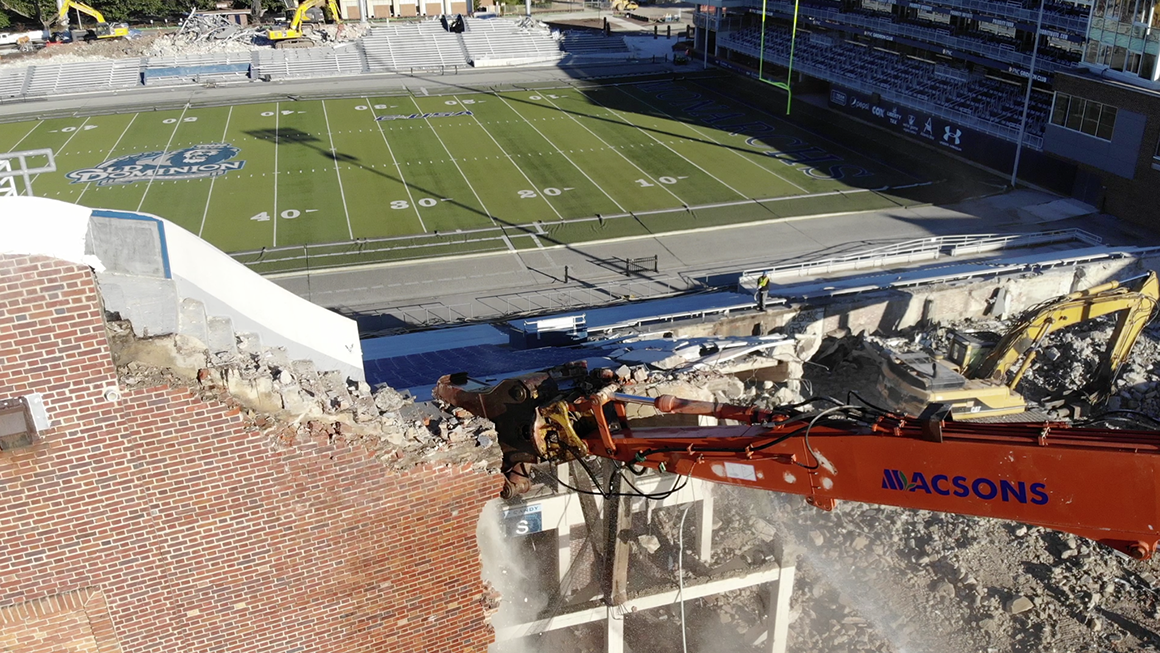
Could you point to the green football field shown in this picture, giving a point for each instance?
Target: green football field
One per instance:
(344, 181)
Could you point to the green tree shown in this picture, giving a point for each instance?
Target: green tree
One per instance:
(41, 11)
(4, 20)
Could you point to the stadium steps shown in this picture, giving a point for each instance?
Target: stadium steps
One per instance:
(326, 61)
(412, 46)
(12, 82)
(504, 40)
(579, 42)
(53, 79)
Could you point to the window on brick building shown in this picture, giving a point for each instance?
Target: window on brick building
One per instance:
(1091, 118)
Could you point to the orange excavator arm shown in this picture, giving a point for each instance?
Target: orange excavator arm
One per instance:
(1094, 482)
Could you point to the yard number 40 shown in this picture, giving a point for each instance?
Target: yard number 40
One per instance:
(288, 214)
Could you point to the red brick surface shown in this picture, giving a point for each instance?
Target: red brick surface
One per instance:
(200, 535)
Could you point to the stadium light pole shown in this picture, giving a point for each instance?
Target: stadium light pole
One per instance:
(1027, 98)
(792, 42)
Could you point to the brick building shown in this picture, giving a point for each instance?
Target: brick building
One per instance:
(1111, 128)
(156, 518)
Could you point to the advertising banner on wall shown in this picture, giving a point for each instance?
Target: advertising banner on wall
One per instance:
(938, 131)
(988, 150)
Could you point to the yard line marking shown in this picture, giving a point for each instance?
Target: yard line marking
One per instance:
(704, 135)
(61, 151)
(453, 160)
(334, 157)
(569, 159)
(622, 119)
(176, 126)
(391, 151)
(518, 169)
(108, 154)
(275, 220)
(209, 197)
(34, 126)
(618, 152)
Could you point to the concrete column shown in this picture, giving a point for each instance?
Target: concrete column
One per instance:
(779, 595)
(614, 632)
(705, 535)
(563, 532)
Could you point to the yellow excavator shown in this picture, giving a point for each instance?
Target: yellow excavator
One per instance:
(102, 30)
(977, 377)
(624, 5)
(293, 36)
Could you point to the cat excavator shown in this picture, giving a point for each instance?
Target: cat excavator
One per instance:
(102, 30)
(292, 36)
(1093, 481)
(978, 375)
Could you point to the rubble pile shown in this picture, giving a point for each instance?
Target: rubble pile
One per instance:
(872, 578)
(81, 52)
(198, 34)
(1069, 357)
(291, 401)
(206, 34)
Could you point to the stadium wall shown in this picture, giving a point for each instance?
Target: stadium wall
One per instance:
(990, 151)
(149, 519)
(1127, 169)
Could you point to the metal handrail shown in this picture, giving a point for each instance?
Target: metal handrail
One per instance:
(923, 249)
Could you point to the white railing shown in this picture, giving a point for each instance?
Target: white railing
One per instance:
(911, 251)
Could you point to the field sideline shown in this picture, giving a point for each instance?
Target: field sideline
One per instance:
(518, 169)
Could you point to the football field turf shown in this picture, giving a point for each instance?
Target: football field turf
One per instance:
(344, 181)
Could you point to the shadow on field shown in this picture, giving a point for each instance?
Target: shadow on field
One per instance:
(295, 136)
(739, 114)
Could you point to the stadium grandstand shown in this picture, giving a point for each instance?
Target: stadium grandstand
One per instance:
(956, 72)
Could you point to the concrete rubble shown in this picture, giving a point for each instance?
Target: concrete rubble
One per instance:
(198, 34)
(874, 578)
(292, 401)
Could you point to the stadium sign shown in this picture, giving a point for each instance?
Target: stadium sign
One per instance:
(196, 162)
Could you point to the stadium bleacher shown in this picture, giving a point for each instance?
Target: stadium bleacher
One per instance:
(990, 104)
(581, 42)
(508, 41)
(53, 79)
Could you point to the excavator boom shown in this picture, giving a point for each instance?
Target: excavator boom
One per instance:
(103, 30)
(980, 380)
(1096, 483)
(1134, 299)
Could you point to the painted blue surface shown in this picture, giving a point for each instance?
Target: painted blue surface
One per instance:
(427, 341)
(657, 310)
(416, 360)
(190, 71)
(424, 369)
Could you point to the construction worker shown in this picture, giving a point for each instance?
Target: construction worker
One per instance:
(762, 289)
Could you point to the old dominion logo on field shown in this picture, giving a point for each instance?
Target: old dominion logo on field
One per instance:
(197, 162)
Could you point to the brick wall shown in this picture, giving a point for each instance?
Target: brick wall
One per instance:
(197, 532)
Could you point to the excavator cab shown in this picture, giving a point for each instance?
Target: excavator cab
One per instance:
(967, 349)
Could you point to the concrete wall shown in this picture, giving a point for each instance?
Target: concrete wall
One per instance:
(1117, 156)
(893, 310)
(158, 521)
(153, 264)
